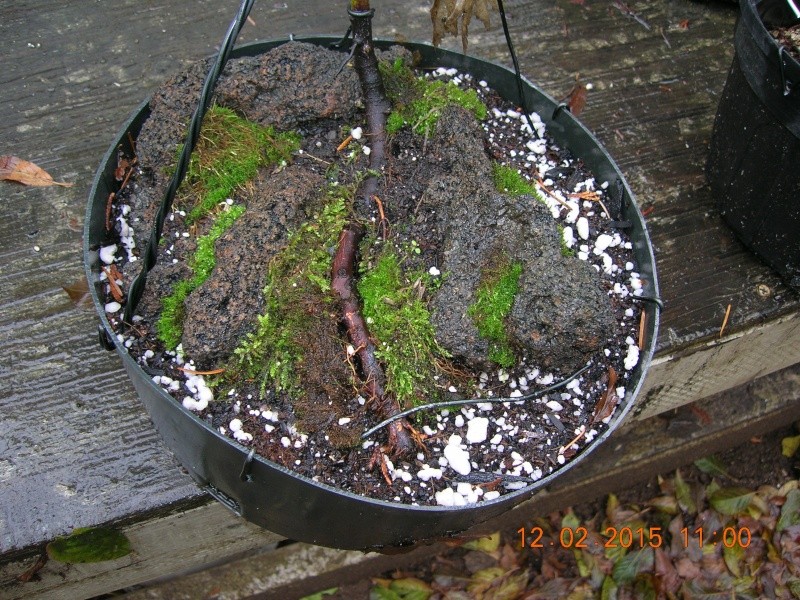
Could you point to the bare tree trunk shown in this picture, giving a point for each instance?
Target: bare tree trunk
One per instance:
(375, 102)
(401, 440)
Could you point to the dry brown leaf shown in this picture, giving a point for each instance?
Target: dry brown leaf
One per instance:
(454, 16)
(608, 402)
(78, 292)
(576, 99)
(13, 168)
(668, 582)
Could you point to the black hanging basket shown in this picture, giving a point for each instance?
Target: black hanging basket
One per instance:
(289, 504)
(754, 159)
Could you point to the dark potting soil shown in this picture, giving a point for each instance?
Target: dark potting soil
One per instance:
(444, 217)
(789, 38)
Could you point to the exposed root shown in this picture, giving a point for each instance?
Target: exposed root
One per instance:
(401, 440)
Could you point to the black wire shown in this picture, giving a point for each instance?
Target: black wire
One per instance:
(151, 251)
(464, 401)
(523, 101)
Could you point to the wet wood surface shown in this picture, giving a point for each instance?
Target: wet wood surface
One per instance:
(76, 447)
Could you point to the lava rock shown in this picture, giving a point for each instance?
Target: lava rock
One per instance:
(221, 311)
(560, 315)
(290, 85)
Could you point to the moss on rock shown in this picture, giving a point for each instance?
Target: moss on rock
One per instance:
(417, 102)
(399, 320)
(494, 298)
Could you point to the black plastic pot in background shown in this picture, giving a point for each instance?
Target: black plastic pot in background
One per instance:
(754, 159)
(286, 503)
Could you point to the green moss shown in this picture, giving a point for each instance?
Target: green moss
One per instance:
(400, 322)
(493, 301)
(88, 545)
(228, 155)
(566, 251)
(418, 102)
(169, 326)
(508, 180)
(298, 282)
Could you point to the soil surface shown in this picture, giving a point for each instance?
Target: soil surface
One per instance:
(789, 37)
(443, 216)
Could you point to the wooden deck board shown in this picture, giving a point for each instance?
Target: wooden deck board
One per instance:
(77, 449)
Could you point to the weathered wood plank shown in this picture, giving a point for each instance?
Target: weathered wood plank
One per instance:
(177, 543)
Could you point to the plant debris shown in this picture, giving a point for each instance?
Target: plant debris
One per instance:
(21, 171)
(733, 543)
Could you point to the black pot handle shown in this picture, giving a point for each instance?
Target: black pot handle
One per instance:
(151, 250)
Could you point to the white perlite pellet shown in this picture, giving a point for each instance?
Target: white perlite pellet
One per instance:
(477, 430)
(457, 457)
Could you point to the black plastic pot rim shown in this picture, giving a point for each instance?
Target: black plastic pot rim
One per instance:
(772, 72)
(563, 127)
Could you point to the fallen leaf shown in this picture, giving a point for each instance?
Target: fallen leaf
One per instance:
(609, 400)
(78, 292)
(576, 99)
(684, 494)
(687, 569)
(789, 445)
(667, 579)
(790, 511)
(320, 595)
(711, 465)
(633, 563)
(733, 556)
(731, 501)
(13, 168)
(684, 24)
(486, 544)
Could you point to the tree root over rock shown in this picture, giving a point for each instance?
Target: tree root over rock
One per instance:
(401, 434)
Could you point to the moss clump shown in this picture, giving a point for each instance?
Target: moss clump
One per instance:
(566, 251)
(508, 180)
(297, 291)
(89, 545)
(228, 155)
(169, 326)
(494, 298)
(418, 102)
(401, 323)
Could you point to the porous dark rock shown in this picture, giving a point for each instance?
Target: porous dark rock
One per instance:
(290, 85)
(560, 315)
(225, 307)
(285, 88)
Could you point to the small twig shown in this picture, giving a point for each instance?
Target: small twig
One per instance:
(592, 197)
(115, 291)
(345, 143)
(109, 206)
(642, 321)
(384, 222)
(551, 194)
(666, 41)
(628, 12)
(574, 441)
(193, 372)
(311, 156)
(725, 320)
